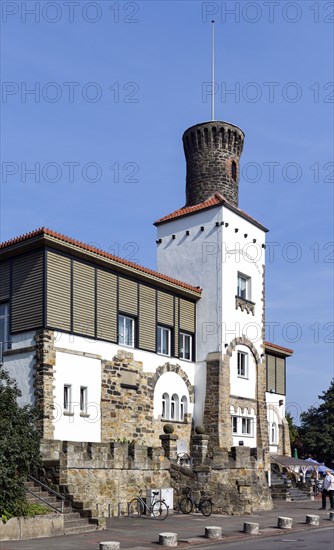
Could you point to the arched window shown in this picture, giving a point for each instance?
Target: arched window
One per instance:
(234, 170)
(174, 407)
(165, 406)
(183, 407)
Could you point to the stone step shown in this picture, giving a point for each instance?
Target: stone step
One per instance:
(81, 529)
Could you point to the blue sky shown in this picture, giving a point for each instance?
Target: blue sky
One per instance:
(117, 83)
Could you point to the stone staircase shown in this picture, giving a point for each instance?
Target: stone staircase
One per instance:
(74, 523)
(283, 491)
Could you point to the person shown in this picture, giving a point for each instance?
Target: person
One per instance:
(328, 490)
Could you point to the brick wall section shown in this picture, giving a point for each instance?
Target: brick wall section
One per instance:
(210, 149)
(44, 381)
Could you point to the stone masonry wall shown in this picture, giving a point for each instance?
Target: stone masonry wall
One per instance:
(127, 402)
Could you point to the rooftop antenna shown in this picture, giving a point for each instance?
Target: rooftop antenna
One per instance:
(213, 73)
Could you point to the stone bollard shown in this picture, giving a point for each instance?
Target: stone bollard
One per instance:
(284, 523)
(251, 528)
(168, 539)
(312, 520)
(213, 532)
(331, 516)
(110, 545)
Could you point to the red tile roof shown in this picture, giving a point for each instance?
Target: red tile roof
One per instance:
(216, 200)
(279, 348)
(43, 231)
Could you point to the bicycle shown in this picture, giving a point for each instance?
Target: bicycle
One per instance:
(187, 504)
(157, 507)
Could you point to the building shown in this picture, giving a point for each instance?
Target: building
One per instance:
(110, 351)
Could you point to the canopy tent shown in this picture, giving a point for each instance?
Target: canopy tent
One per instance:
(321, 468)
(292, 464)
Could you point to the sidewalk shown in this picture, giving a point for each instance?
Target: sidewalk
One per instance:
(143, 533)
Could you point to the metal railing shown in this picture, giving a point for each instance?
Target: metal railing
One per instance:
(52, 491)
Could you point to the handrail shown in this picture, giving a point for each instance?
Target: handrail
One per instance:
(61, 511)
(59, 495)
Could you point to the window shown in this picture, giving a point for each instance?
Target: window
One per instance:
(246, 426)
(242, 364)
(273, 433)
(174, 407)
(164, 340)
(185, 346)
(67, 397)
(234, 424)
(183, 407)
(165, 406)
(83, 399)
(243, 290)
(4, 327)
(234, 170)
(126, 331)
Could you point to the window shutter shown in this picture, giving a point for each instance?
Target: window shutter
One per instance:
(271, 379)
(187, 315)
(280, 375)
(27, 292)
(128, 296)
(165, 308)
(4, 280)
(106, 306)
(58, 291)
(83, 299)
(147, 318)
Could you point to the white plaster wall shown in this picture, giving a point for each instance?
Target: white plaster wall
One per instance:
(107, 351)
(212, 259)
(196, 259)
(240, 254)
(171, 383)
(77, 371)
(243, 387)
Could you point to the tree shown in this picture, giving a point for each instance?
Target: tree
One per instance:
(295, 440)
(19, 445)
(317, 429)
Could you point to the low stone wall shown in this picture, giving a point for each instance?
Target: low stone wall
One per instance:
(97, 477)
(49, 525)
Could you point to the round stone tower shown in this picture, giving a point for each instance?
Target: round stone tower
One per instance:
(212, 151)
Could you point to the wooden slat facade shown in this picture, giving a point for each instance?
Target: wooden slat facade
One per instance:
(271, 372)
(147, 318)
(83, 299)
(280, 375)
(58, 291)
(4, 281)
(128, 296)
(165, 308)
(27, 292)
(106, 306)
(187, 315)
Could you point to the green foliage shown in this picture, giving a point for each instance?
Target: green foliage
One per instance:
(23, 508)
(19, 446)
(317, 429)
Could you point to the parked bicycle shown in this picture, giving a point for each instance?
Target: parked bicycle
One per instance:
(157, 508)
(187, 504)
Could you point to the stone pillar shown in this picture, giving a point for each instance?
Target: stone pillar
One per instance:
(251, 528)
(168, 442)
(43, 383)
(216, 418)
(199, 452)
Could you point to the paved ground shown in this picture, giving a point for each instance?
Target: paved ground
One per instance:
(143, 533)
